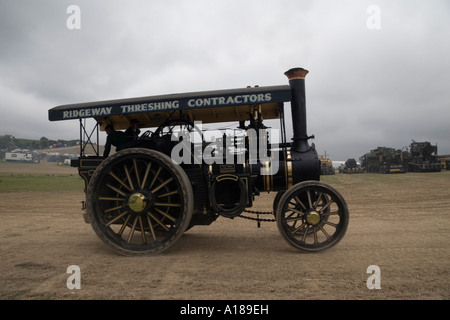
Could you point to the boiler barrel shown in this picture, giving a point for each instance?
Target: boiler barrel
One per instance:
(291, 168)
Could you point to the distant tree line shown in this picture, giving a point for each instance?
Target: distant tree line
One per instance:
(9, 142)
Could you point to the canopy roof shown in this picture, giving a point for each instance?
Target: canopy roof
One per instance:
(207, 106)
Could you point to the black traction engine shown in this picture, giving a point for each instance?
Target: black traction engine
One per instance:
(176, 175)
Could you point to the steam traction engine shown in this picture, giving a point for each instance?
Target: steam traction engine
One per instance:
(423, 157)
(141, 199)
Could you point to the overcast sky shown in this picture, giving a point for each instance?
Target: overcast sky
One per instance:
(379, 70)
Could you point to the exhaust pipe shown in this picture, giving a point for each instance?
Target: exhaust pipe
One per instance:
(296, 78)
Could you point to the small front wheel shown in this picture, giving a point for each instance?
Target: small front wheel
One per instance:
(312, 216)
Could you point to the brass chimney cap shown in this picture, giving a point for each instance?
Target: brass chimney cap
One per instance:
(296, 73)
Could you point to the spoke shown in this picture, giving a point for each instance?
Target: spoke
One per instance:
(112, 209)
(330, 223)
(123, 226)
(111, 199)
(290, 215)
(309, 199)
(154, 178)
(128, 176)
(116, 218)
(318, 199)
(162, 185)
(325, 198)
(300, 227)
(116, 190)
(168, 194)
(151, 228)
(294, 225)
(120, 181)
(165, 214)
(136, 172)
(300, 202)
(315, 235)
(160, 204)
(324, 232)
(306, 232)
(294, 219)
(295, 210)
(144, 239)
(330, 213)
(327, 205)
(159, 222)
(147, 170)
(132, 230)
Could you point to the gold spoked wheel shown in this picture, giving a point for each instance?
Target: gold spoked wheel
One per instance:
(312, 216)
(139, 202)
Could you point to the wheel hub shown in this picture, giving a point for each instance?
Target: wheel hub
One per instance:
(137, 202)
(313, 217)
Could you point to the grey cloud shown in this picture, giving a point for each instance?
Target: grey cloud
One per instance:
(365, 88)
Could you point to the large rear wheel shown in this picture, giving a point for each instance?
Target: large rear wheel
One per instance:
(139, 201)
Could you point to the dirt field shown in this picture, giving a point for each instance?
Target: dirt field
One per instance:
(400, 223)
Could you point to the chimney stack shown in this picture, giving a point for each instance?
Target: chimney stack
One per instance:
(296, 78)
